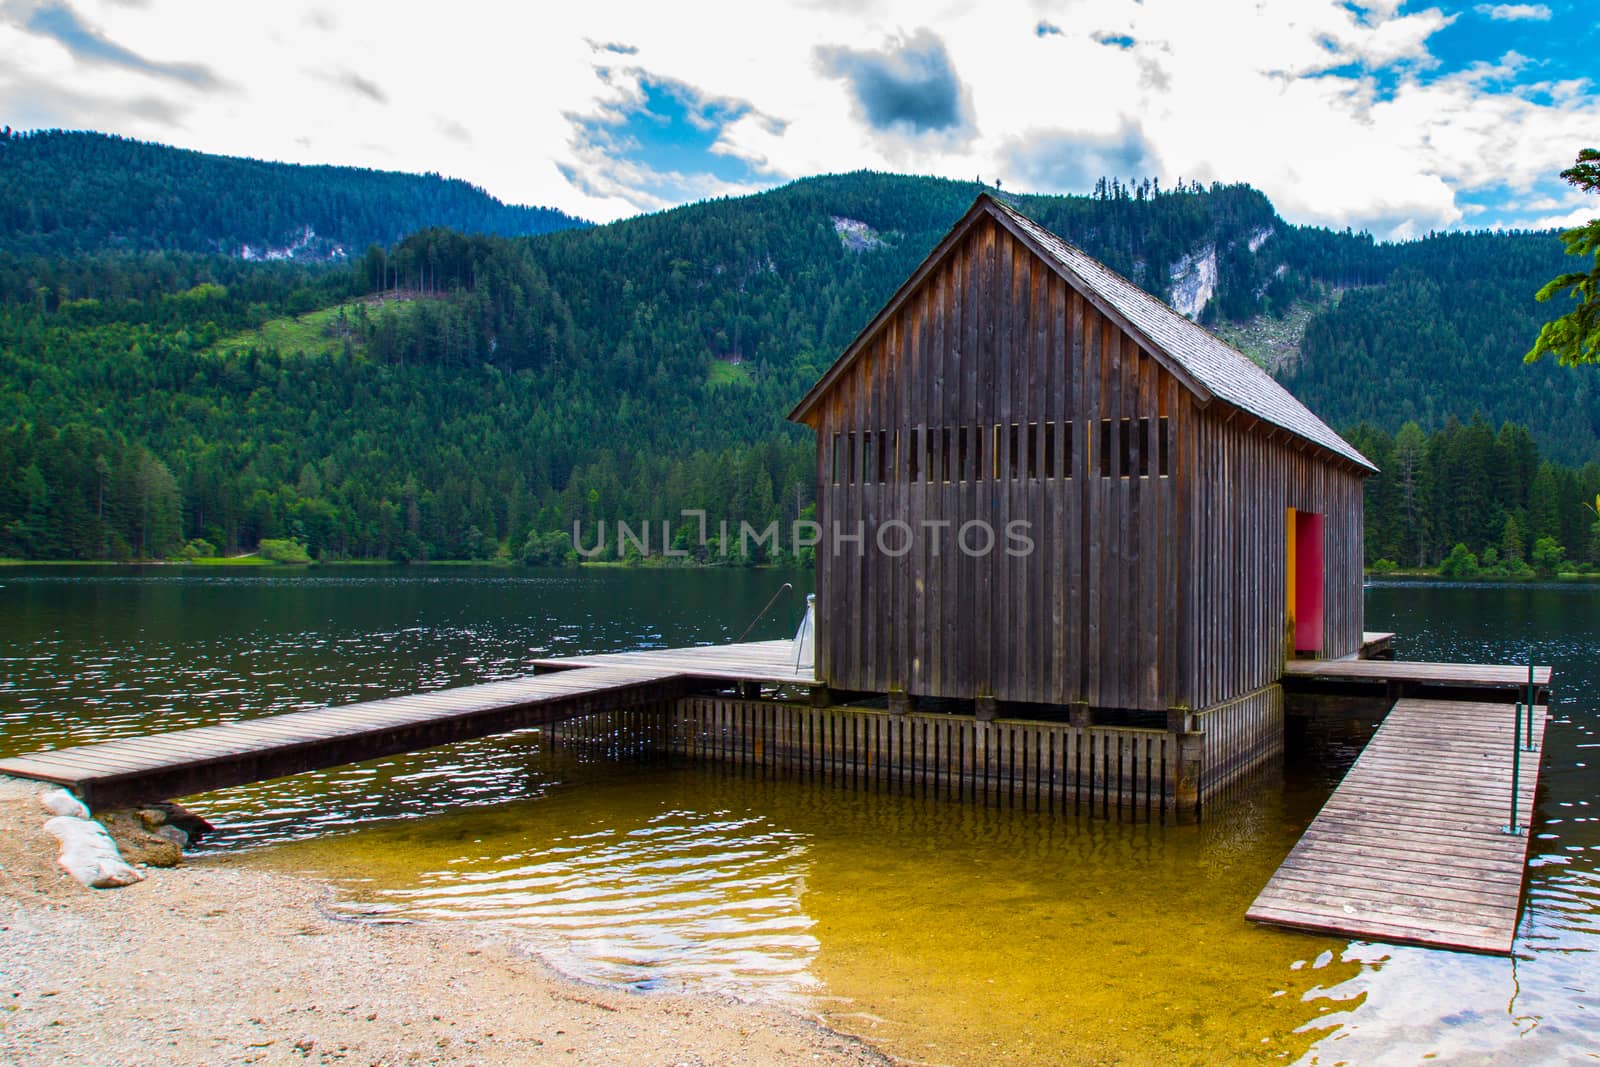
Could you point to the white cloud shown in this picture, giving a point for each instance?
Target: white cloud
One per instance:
(1338, 112)
(1566, 221)
(1515, 12)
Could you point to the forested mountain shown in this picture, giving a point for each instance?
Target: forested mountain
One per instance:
(1442, 337)
(68, 192)
(447, 394)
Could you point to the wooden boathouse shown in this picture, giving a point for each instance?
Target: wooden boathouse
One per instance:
(1189, 525)
(1074, 548)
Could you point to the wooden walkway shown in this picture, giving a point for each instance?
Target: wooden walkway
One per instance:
(175, 764)
(1376, 645)
(1508, 678)
(753, 661)
(1411, 848)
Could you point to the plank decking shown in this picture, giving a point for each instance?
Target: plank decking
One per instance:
(1411, 847)
(1510, 677)
(1376, 645)
(753, 661)
(213, 757)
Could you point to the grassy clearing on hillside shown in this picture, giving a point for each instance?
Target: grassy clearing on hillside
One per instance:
(316, 333)
(724, 373)
(1272, 341)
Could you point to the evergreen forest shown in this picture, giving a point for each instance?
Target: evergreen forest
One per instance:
(471, 378)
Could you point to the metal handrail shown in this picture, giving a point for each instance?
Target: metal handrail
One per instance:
(1520, 741)
(763, 611)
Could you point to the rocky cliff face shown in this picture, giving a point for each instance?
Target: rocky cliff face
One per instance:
(1194, 281)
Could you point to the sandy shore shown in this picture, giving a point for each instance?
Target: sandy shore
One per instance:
(215, 964)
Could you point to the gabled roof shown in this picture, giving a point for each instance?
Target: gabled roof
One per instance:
(1206, 365)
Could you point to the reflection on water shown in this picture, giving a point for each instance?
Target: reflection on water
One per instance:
(948, 933)
(612, 883)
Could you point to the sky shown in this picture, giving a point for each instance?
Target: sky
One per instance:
(1396, 118)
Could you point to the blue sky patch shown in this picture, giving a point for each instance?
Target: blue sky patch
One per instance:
(1501, 207)
(667, 131)
(1115, 40)
(1565, 42)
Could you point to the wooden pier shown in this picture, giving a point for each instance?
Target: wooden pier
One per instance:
(1418, 678)
(1411, 848)
(772, 662)
(175, 764)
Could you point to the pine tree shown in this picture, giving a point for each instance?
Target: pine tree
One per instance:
(1544, 508)
(1575, 336)
(1410, 455)
(1512, 542)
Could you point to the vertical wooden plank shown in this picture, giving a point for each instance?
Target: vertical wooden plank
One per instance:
(993, 503)
(924, 603)
(1005, 500)
(1171, 614)
(1062, 539)
(905, 498)
(1148, 681)
(978, 374)
(1129, 490)
(943, 358)
(873, 574)
(1091, 414)
(1073, 511)
(843, 564)
(1112, 545)
(861, 500)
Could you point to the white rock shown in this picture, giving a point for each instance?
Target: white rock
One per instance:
(1194, 281)
(89, 854)
(61, 802)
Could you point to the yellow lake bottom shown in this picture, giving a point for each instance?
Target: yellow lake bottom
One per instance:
(943, 932)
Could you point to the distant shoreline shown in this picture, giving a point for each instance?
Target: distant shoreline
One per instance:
(258, 563)
(1414, 577)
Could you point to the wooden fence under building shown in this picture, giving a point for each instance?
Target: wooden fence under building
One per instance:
(1125, 772)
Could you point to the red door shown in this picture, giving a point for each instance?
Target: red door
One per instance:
(1307, 581)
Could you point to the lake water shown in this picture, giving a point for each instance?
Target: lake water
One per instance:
(947, 933)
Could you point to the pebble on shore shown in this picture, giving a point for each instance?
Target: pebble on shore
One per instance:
(101, 852)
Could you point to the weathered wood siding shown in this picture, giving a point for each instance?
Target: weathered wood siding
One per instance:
(999, 370)
(1246, 478)
(996, 393)
(1241, 736)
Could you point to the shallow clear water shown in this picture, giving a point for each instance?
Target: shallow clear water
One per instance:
(948, 933)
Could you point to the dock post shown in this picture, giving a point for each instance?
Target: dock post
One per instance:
(1186, 790)
(985, 708)
(1516, 770)
(901, 702)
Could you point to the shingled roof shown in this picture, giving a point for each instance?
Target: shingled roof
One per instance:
(1209, 366)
